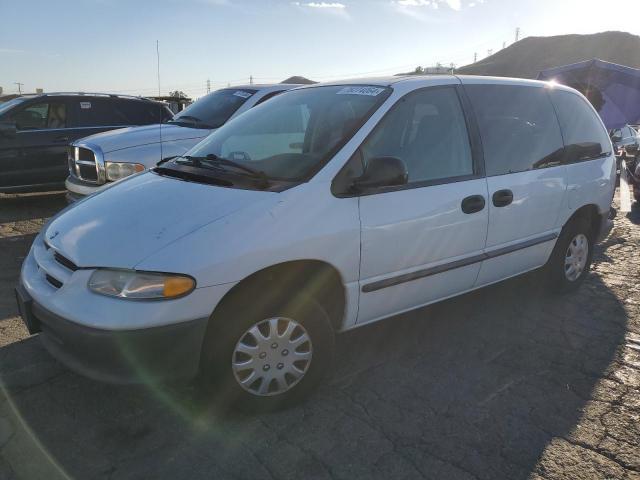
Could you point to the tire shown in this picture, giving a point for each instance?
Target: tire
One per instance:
(576, 237)
(232, 330)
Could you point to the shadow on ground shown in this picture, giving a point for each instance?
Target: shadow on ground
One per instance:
(474, 387)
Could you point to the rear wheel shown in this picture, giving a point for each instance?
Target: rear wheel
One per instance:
(571, 258)
(266, 357)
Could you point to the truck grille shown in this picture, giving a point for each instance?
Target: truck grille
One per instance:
(82, 164)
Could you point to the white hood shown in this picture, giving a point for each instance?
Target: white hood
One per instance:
(122, 138)
(133, 219)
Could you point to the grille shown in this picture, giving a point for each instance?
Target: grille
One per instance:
(65, 262)
(53, 281)
(82, 164)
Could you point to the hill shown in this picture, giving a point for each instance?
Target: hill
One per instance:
(526, 58)
(298, 79)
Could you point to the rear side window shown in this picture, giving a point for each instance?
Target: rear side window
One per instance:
(584, 136)
(518, 127)
(99, 112)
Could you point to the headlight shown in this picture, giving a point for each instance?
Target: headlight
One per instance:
(117, 170)
(140, 285)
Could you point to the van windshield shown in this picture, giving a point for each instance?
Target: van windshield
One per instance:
(213, 110)
(291, 136)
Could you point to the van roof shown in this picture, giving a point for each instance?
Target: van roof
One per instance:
(427, 79)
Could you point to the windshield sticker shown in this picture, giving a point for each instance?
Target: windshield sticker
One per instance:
(84, 105)
(371, 91)
(242, 94)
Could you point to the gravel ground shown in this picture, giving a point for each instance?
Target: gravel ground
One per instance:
(507, 382)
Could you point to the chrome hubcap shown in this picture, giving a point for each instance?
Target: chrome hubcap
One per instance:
(576, 258)
(272, 356)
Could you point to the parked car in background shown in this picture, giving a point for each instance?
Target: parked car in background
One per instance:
(626, 142)
(35, 131)
(327, 208)
(98, 160)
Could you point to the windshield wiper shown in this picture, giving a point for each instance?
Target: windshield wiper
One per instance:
(218, 162)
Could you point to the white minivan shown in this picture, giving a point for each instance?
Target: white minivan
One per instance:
(327, 208)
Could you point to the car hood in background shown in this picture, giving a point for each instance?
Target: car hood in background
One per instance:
(129, 221)
(136, 136)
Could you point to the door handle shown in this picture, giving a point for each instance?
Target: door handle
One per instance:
(61, 139)
(502, 198)
(473, 204)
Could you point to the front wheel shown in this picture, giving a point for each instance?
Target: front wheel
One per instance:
(571, 257)
(268, 357)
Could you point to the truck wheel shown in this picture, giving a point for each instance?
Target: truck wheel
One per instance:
(266, 358)
(571, 257)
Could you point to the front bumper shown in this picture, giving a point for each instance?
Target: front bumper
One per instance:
(117, 356)
(77, 189)
(107, 338)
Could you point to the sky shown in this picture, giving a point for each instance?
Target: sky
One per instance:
(110, 45)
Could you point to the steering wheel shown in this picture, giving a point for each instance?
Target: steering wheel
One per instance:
(239, 156)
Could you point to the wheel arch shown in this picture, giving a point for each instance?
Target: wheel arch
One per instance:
(316, 278)
(591, 214)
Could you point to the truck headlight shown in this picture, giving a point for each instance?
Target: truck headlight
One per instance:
(118, 170)
(140, 285)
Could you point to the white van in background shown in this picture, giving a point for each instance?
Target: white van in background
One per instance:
(97, 160)
(327, 208)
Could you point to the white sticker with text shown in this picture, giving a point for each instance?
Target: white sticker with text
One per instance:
(242, 94)
(371, 91)
(84, 105)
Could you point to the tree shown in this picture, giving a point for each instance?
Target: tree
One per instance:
(178, 94)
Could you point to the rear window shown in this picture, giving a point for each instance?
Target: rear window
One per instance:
(582, 130)
(518, 127)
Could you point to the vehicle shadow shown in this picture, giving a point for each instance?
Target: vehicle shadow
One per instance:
(474, 387)
(17, 208)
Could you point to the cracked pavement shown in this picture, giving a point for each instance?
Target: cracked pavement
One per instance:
(505, 382)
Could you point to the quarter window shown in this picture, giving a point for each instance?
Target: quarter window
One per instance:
(41, 116)
(426, 129)
(518, 128)
(584, 136)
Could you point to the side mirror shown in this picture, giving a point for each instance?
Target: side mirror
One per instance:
(382, 172)
(8, 129)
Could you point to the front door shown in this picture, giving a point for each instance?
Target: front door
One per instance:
(43, 135)
(527, 180)
(422, 242)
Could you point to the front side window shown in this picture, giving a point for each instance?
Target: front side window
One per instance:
(291, 136)
(213, 110)
(518, 127)
(41, 116)
(584, 136)
(427, 131)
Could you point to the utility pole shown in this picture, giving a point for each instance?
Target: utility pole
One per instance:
(250, 79)
(517, 34)
(504, 44)
(475, 57)
(20, 85)
(208, 85)
(489, 52)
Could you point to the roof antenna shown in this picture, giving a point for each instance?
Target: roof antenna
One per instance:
(159, 95)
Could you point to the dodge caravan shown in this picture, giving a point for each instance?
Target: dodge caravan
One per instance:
(327, 208)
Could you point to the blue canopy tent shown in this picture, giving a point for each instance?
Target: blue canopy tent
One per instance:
(614, 90)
